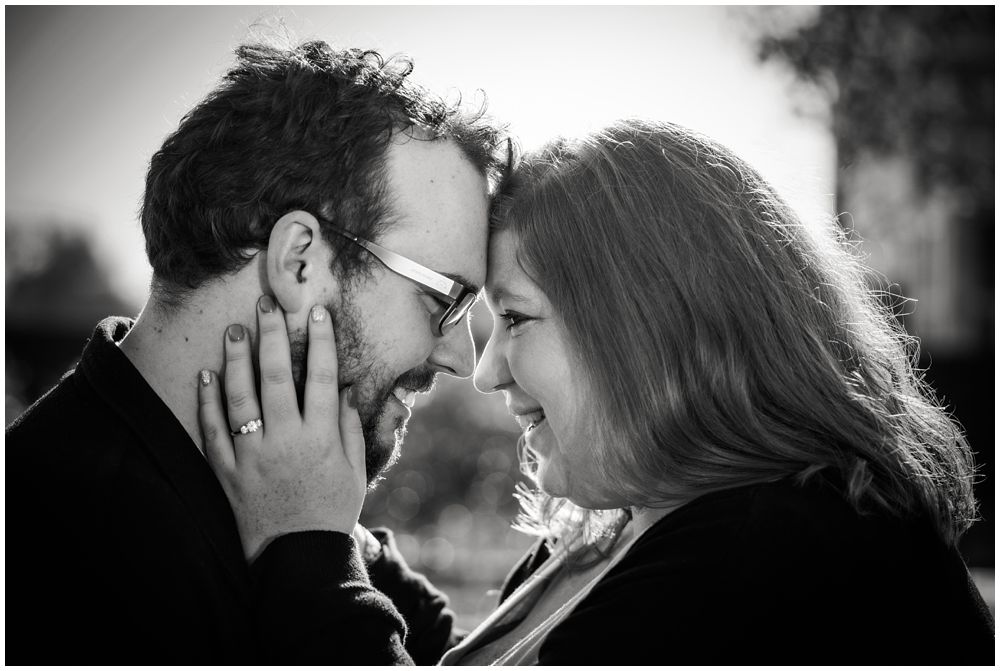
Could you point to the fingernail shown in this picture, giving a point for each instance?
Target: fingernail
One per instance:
(266, 304)
(235, 333)
(206, 378)
(352, 398)
(318, 313)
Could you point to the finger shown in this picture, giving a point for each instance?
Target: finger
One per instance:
(351, 434)
(241, 395)
(277, 388)
(212, 420)
(321, 396)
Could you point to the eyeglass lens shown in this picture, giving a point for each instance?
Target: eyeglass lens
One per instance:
(456, 312)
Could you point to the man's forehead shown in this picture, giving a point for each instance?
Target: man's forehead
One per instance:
(465, 281)
(440, 209)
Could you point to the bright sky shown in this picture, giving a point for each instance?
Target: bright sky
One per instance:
(92, 91)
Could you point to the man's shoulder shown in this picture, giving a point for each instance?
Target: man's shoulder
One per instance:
(60, 406)
(67, 428)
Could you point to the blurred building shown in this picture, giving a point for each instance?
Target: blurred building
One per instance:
(910, 93)
(932, 252)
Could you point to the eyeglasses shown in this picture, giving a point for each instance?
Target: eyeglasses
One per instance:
(459, 297)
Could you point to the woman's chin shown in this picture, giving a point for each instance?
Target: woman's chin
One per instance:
(555, 483)
(550, 479)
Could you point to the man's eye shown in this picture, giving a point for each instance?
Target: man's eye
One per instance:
(440, 304)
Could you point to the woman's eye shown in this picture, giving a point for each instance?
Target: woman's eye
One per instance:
(512, 319)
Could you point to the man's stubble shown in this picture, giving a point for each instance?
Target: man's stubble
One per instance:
(359, 367)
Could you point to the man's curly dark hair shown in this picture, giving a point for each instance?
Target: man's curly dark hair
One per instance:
(303, 128)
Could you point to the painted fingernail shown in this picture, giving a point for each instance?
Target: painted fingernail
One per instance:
(206, 378)
(318, 313)
(266, 304)
(235, 333)
(352, 398)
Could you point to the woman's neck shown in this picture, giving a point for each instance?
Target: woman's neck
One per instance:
(644, 518)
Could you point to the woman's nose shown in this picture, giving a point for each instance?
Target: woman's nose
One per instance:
(492, 373)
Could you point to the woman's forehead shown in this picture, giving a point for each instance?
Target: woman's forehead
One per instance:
(506, 280)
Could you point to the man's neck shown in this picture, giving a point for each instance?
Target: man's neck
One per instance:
(170, 347)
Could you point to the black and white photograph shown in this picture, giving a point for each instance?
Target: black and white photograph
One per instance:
(474, 335)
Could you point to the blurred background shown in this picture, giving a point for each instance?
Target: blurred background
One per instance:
(884, 115)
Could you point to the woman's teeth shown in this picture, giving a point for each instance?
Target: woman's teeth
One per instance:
(405, 396)
(530, 421)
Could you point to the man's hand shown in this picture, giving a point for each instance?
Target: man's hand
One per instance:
(298, 471)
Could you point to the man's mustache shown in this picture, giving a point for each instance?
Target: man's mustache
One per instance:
(420, 380)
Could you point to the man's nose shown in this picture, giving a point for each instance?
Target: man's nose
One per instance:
(455, 353)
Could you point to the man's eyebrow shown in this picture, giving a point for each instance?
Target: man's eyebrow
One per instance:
(464, 281)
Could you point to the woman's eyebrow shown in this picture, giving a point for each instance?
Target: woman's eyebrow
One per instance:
(498, 294)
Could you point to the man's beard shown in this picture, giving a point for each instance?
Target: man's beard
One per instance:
(371, 379)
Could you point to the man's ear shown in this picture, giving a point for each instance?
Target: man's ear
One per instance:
(298, 260)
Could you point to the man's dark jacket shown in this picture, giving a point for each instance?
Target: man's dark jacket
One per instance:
(122, 548)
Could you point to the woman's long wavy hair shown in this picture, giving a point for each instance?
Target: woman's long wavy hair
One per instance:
(726, 342)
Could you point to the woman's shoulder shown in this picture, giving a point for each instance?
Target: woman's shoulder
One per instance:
(815, 511)
(790, 544)
(779, 571)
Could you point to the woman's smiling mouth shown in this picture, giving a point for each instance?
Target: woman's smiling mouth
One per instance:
(529, 420)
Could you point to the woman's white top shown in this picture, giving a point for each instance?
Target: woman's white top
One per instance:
(541, 602)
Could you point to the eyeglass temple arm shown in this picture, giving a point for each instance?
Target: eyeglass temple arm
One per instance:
(410, 269)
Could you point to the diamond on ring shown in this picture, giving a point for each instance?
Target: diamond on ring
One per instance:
(250, 427)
